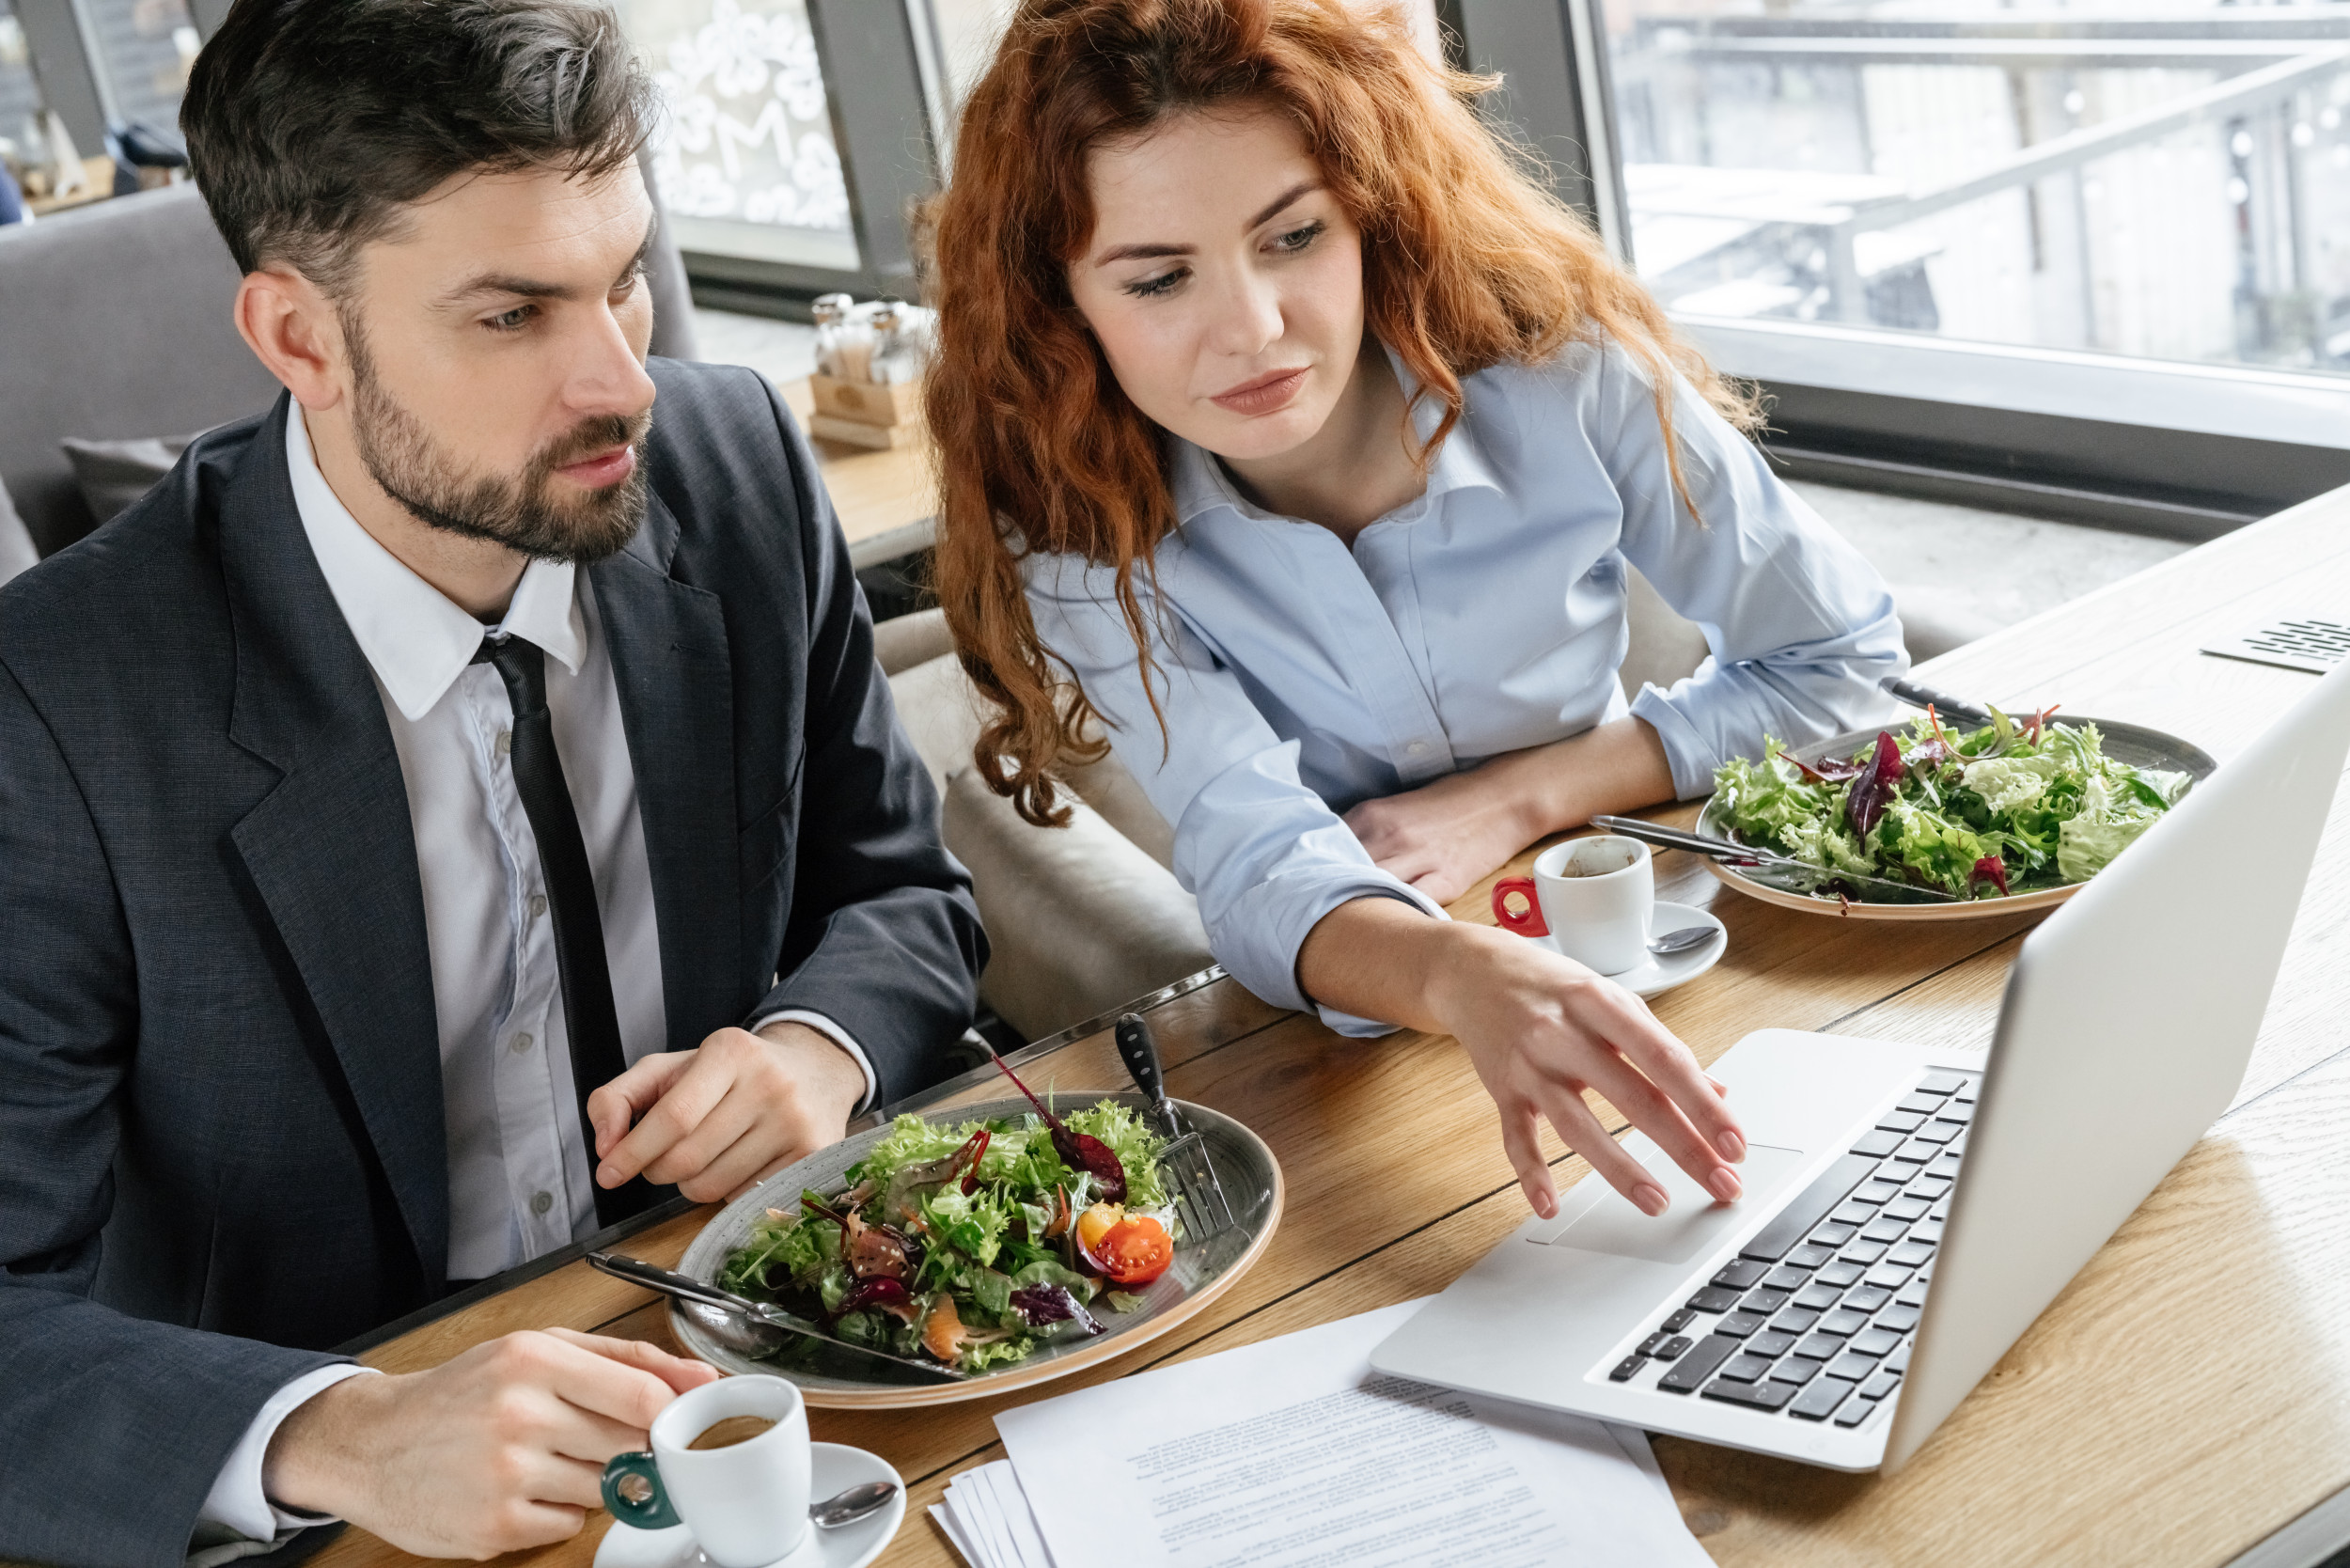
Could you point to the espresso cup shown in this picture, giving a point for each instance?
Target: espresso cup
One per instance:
(1594, 897)
(746, 1503)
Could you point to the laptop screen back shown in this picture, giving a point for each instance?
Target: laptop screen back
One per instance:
(2128, 1019)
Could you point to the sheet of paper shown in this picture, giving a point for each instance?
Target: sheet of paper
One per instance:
(1011, 1504)
(957, 1539)
(990, 1533)
(1293, 1453)
(1635, 1443)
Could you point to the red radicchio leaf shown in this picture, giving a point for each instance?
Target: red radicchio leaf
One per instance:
(876, 1293)
(1078, 1151)
(1873, 790)
(1926, 754)
(1044, 1304)
(1828, 770)
(975, 1146)
(1993, 869)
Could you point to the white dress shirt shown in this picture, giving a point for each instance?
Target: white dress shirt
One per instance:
(1300, 674)
(520, 1168)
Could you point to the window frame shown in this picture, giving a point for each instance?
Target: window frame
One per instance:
(65, 69)
(875, 58)
(2175, 449)
(875, 63)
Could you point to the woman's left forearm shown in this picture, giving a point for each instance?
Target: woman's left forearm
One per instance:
(1619, 766)
(1442, 837)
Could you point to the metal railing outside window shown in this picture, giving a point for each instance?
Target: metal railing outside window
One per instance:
(2172, 185)
(2076, 260)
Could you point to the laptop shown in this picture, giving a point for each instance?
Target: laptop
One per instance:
(1909, 1211)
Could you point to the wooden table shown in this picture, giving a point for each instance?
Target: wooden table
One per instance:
(884, 499)
(97, 183)
(2188, 1393)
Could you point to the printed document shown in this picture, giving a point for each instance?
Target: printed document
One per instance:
(1294, 1453)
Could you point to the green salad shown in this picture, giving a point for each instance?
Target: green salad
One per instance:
(2011, 808)
(973, 1244)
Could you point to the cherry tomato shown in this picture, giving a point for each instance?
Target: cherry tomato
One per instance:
(1097, 1222)
(1136, 1251)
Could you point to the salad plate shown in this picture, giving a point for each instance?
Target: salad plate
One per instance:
(1198, 1271)
(2167, 760)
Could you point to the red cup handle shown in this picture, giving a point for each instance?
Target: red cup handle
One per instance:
(1527, 924)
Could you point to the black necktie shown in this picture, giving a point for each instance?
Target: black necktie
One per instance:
(586, 979)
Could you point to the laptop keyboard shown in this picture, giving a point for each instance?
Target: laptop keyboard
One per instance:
(1812, 1319)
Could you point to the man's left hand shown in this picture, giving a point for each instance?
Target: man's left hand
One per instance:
(719, 1119)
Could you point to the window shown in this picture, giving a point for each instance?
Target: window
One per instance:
(962, 39)
(746, 157)
(20, 138)
(2171, 183)
(2082, 262)
(141, 51)
(794, 144)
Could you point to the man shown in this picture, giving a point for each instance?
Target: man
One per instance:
(451, 802)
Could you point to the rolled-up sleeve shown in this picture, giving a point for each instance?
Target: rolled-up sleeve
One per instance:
(1261, 852)
(1801, 627)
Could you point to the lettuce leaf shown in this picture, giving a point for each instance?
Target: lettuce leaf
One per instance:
(2006, 783)
(1002, 1352)
(1135, 1144)
(973, 1223)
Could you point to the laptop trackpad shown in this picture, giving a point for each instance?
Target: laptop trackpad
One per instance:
(1608, 1223)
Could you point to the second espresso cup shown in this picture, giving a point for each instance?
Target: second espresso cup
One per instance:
(747, 1501)
(1594, 898)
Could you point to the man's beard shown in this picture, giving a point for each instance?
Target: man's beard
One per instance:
(520, 512)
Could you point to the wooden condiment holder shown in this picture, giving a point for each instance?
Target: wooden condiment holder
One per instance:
(868, 403)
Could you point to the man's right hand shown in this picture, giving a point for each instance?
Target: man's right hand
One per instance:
(499, 1449)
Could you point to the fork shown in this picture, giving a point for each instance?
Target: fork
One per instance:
(1199, 1201)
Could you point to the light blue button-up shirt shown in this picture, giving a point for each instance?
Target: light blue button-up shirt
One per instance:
(1299, 676)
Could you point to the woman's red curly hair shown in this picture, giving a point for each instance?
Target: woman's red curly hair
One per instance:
(1468, 263)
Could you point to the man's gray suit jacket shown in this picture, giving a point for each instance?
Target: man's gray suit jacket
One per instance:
(221, 1132)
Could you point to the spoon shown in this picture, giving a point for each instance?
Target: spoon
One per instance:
(1684, 940)
(847, 1507)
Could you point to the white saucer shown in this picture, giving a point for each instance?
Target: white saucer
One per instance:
(1655, 976)
(835, 1468)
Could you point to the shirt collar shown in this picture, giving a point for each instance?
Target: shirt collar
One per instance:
(415, 638)
(1200, 483)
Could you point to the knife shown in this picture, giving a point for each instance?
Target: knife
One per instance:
(1770, 869)
(802, 1345)
(1919, 695)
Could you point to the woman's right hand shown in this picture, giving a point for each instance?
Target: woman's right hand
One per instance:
(1541, 1029)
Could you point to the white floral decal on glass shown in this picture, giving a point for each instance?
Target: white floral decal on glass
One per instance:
(746, 135)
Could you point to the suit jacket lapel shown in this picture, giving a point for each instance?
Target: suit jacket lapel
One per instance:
(331, 849)
(670, 659)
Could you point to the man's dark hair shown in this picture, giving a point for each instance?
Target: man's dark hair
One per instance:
(311, 123)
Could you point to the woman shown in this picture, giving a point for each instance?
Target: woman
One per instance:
(1288, 428)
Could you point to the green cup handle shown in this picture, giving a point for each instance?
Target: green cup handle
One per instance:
(633, 1491)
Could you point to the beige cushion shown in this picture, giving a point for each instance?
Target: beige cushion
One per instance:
(1664, 648)
(905, 640)
(940, 711)
(1079, 921)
